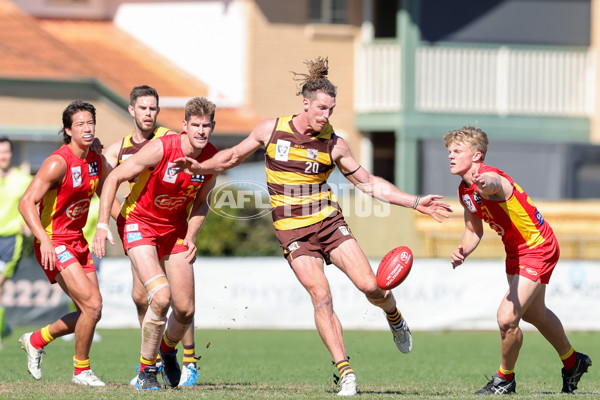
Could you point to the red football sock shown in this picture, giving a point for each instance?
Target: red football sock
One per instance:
(569, 359)
(37, 340)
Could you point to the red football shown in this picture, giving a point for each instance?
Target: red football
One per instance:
(394, 268)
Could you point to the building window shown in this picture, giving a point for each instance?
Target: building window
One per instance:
(328, 11)
(384, 155)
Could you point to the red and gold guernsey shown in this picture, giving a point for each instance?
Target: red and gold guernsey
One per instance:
(162, 197)
(297, 167)
(64, 209)
(129, 147)
(517, 220)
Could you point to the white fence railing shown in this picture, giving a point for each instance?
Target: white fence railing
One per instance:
(498, 81)
(377, 81)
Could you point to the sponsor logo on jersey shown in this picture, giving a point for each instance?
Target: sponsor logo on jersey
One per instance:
(170, 174)
(167, 202)
(344, 230)
(477, 198)
(197, 178)
(538, 216)
(76, 174)
(467, 202)
(293, 246)
(500, 230)
(531, 271)
(93, 168)
(65, 256)
(312, 154)
(282, 150)
(78, 209)
(134, 236)
(131, 227)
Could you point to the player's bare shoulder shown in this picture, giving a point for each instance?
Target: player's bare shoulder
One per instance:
(263, 130)
(340, 148)
(112, 153)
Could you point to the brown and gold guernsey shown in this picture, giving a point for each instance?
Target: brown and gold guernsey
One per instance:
(129, 147)
(297, 168)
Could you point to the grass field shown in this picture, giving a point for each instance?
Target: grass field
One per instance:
(240, 364)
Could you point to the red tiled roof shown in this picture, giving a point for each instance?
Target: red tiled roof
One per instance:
(63, 49)
(120, 61)
(28, 51)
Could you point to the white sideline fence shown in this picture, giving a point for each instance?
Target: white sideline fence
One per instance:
(263, 293)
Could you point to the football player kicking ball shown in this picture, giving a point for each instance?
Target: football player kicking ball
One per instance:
(158, 236)
(301, 152)
(489, 194)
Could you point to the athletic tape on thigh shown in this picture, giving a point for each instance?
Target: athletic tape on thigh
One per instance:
(154, 284)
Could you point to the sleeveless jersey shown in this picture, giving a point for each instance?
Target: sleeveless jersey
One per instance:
(297, 167)
(161, 196)
(517, 220)
(64, 209)
(129, 147)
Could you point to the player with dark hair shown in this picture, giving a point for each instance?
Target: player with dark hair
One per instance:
(144, 108)
(13, 183)
(491, 195)
(55, 207)
(301, 152)
(158, 231)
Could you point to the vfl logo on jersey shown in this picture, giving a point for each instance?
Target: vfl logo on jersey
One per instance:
(198, 178)
(134, 236)
(93, 168)
(168, 203)
(78, 209)
(467, 202)
(477, 198)
(538, 216)
(344, 230)
(125, 157)
(282, 150)
(312, 154)
(76, 174)
(293, 246)
(170, 174)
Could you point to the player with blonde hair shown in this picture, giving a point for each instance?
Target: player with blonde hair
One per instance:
(532, 251)
(158, 225)
(144, 108)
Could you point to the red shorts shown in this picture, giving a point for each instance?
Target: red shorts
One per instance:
(67, 252)
(135, 234)
(316, 240)
(536, 265)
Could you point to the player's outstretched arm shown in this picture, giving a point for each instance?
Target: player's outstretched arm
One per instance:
(383, 190)
(231, 157)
